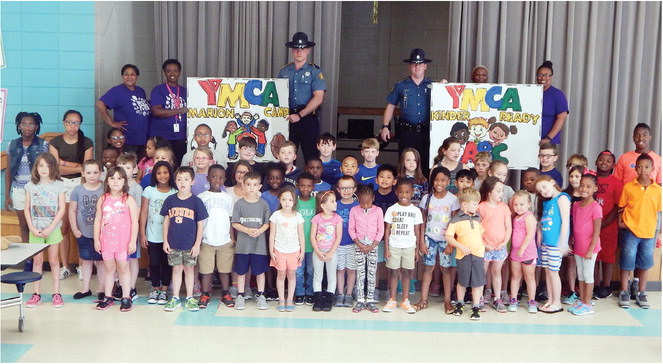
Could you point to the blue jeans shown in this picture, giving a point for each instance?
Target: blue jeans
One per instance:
(636, 253)
(305, 269)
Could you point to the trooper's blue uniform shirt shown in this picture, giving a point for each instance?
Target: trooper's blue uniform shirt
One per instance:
(414, 99)
(302, 82)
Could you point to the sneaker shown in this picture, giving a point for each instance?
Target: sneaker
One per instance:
(532, 306)
(327, 301)
(197, 290)
(248, 295)
(390, 306)
(163, 298)
(459, 309)
(634, 288)
(117, 291)
(133, 294)
(583, 309)
(475, 313)
(505, 297)
(79, 271)
(318, 302)
(372, 307)
(339, 300)
(34, 301)
(228, 300)
(153, 297)
(106, 303)
(261, 302)
(359, 307)
(232, 291)
(571, 299)
(604, 292)
(100, 297)
(280, 307)
(192, 304)
(289, 306)
(408, 307)
(499, 306)
(125, 305)
(482, 304)
(64, 273)
(308, 300)
(513, 305)
(641, 300)
(203, 301)
(347, 301)
(575, 307)
(80, 295)
(299, 300)
(271, 295)
(240, 302)
(624, 299)
(487, 295)
(172, 305)
(57, 300)
(542, 296)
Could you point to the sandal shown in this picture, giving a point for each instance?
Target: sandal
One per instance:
(448, 307)
(281, 306)
(421, 305)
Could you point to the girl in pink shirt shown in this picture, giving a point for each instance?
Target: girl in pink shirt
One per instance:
(587, 216)
(326, 233)
(523, 251)
(366, 230)
(115, 233)
(496, 220)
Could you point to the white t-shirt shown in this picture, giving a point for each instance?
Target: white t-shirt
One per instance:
(286, 239)
(439, 214)
(402, 220)
(219, 206)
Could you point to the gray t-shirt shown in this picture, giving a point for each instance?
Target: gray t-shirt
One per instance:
(252, 215)
(86, 204)
(136, 191)
(44, 202)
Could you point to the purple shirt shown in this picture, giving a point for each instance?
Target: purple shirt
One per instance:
(554, 103)
(132, 107)
(164, 127)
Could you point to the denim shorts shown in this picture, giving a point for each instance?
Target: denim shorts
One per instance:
(495, 255)
(86, 249)
(435, 247)
(636, 253)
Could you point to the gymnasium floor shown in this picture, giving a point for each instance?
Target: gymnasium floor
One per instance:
(79, 333)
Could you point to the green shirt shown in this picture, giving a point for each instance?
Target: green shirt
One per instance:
(307, 209)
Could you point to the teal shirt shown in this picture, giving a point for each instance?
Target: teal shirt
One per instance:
(307, 209)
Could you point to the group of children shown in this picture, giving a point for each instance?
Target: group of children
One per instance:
(326, 229)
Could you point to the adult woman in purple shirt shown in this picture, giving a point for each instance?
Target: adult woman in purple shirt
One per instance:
(131, 111)
(555, 106)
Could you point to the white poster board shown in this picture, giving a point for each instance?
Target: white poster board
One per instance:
(503, 119)
(235, 108)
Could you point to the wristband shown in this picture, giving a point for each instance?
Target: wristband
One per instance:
(385, 126)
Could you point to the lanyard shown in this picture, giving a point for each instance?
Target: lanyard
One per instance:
(176, 100)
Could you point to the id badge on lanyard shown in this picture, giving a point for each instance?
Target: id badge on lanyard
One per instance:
(177, 105)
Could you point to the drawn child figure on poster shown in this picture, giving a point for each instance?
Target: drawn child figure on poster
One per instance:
(497, 133)
(232, 131)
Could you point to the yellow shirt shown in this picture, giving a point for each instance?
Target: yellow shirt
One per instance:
(467, 230)
(640, 206)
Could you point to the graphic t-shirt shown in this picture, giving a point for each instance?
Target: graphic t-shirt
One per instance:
(86, 208)
(219, 206)
(252, 215)
(44, 202)
(402, 220)
(172, 99)
(367, 175)
(331, 171)
(325, 233)
(184, 216)
(439, 214)
(286, 239)
(307, 210)
(132, 107)
(154, 226)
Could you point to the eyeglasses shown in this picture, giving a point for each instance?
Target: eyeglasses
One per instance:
(117, 137)
(543, 156)
(202, 135)
(544, 75)
(346, 188)
(27, 125)
(72, 123)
